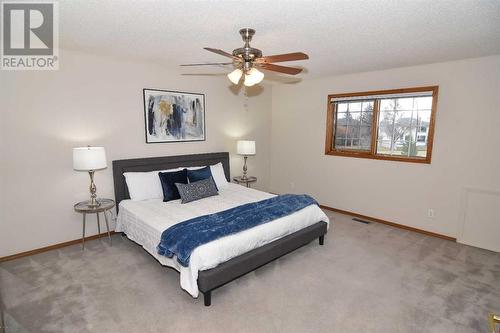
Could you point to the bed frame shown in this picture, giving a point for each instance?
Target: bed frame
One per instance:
(226, 272)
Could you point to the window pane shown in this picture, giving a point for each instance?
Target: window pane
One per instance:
(353, 132)
(366, 118)
(420, 150)
(386, 125)
(367, 106)
(424, 119)
(354, 118)
(341, 119)
(365, 137)
(414, 149)
(341, 132)
(384, 147)
(355, 106)
(365, 131)
(341, 107)
(339, 143)
(405, 104)
(353, 125)
(403, 126)
(401, 148)
(412, 134)
(387, 104)
(355, 143)
(422, 131)
(367, 114)
(423, 103)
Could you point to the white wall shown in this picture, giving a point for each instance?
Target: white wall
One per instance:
(98, 101)
(465, 150)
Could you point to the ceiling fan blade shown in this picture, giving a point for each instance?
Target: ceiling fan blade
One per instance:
(222, 53)
(281, 69)
(283, 57)
(209, 64)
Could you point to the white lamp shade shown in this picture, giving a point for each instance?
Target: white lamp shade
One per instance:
(89, 158)
(253, 77)
(235, 76)
(245, 147)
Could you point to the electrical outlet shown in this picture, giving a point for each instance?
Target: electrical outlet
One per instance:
(430, 213)
(292, 185)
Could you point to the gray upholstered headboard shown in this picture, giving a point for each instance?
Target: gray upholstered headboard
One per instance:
(162, 163)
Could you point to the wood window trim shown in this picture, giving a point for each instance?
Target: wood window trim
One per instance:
(329, 150)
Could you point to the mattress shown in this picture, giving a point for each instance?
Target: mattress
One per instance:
(144, 221)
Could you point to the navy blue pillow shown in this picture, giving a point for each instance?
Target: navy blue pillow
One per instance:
(199, 174)
(168, 180)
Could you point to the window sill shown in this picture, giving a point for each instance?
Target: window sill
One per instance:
(421, 160)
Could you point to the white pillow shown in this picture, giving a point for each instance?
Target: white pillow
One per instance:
(194, 168)
(145, 185)
(218, 174)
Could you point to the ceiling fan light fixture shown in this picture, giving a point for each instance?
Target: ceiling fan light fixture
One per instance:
(245, 58)
(253, 77)
(235, 76)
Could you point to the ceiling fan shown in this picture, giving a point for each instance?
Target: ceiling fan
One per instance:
(247, 59)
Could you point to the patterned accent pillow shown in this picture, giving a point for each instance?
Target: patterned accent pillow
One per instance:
(197, 190)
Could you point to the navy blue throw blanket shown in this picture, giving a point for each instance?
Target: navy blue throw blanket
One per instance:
(181, 239)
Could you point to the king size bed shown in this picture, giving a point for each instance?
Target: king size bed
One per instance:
(221, 260)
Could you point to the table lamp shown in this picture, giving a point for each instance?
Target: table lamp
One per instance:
(245, 148)
(90, 159)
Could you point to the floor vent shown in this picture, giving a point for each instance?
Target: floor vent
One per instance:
(360, 220)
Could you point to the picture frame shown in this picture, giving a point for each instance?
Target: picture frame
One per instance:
(173, 116)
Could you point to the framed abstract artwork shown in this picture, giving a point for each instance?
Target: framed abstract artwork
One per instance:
(173, 116)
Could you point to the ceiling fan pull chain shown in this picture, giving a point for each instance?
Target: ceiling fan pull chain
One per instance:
(245, 104)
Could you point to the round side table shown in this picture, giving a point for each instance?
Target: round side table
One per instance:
(104, 207)
(247, 181)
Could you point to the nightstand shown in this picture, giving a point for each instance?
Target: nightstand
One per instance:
(104, 207)
(246, 181)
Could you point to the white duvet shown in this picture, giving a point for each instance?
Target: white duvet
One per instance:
(144, 221)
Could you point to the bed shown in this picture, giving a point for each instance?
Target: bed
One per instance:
(221, 261)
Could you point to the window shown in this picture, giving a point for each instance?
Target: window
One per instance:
(391, 124)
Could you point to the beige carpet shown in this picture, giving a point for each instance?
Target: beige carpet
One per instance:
(367, 278)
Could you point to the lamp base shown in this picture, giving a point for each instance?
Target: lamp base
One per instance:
(93, 204)
(244, 177)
